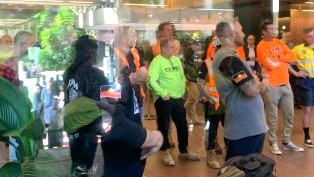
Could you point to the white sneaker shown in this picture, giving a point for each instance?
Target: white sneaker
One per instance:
(167, 158)
(275, 149)
(292, 147)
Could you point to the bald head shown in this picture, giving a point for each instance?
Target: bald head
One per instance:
(227, 34)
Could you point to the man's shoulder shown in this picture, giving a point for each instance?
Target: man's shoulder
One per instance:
(223, 53)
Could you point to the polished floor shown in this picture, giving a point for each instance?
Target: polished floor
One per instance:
(289, 164)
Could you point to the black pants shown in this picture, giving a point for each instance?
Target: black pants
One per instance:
(214, 120)
(245, 146)
(83, 149)
(172, 108)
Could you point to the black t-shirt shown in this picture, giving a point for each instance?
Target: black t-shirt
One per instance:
(234, 69)
(122, 146)
(87, 81)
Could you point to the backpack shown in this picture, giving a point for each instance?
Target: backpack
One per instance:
(253, 165)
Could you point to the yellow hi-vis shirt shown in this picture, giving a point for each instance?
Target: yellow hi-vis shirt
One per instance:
(305, 58)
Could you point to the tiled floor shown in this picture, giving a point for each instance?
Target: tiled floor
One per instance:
(289, 164)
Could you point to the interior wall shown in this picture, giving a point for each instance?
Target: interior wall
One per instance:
(299, 20)
(250, 23)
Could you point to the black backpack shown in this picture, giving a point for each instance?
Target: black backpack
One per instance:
(253, 165)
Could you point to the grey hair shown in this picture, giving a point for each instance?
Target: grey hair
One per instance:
(223, 29)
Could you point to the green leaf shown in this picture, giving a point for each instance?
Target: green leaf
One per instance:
(11, 169)
(79, 112)
(28, 135)
(8, 118)
(17, 100)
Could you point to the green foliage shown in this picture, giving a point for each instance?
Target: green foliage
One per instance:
(186, 36)
(56, 35)
(80, 112)
(11, 169)
(17, 121)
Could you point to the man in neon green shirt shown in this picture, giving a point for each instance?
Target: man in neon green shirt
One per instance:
(167, 80)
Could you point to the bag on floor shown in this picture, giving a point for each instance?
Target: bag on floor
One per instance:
(230, 171)
(253, 165)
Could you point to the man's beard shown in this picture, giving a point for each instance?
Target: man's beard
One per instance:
(238, 41)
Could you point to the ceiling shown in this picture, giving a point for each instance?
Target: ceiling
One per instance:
(14, 12)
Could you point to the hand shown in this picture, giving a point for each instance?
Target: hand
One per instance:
(139, 77)
(166, 98)
(301, 73)
(152, 144)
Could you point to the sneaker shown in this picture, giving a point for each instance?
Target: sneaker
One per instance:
(275, 149)
(189, 156)
(292, 147)
(167, 158)
(308, 143)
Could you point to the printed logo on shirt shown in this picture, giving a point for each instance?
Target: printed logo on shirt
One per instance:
(72, 89)
(238, 77)
(172, 69)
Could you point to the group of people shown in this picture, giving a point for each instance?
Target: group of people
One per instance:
(48, 98)
(243, 92)
(241, 85)
(123, 155)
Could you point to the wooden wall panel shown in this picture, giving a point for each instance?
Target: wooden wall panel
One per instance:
(299, 20)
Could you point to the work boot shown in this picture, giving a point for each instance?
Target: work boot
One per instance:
(167, 158)
(211, 159)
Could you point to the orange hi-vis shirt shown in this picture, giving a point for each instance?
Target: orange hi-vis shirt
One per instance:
(156, 48)
(210, 51)
(274, 57)
(125, 62)
(211, 84)
(240, 52)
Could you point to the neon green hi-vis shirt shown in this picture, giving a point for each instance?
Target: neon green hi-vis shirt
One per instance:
(166, 76)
